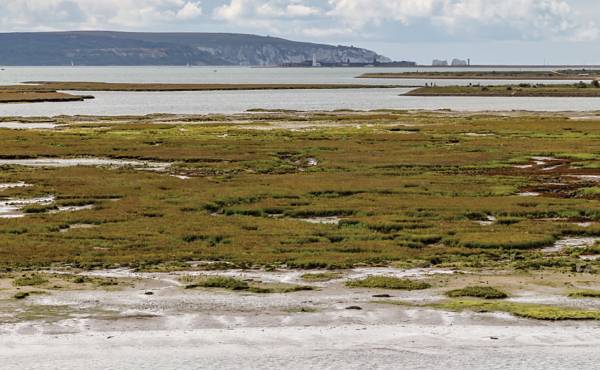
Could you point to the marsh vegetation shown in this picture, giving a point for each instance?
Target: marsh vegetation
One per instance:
(580, 89)
(567, 74)
(387, 282)
(411, 189)
(104, 86)
(33, 94)
(236, 284)
(485, 292)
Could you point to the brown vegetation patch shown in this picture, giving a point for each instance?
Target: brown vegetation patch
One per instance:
(104, 86)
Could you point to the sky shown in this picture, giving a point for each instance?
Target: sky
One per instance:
(486, 31)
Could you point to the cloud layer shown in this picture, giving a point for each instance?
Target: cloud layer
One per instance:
(23, 15)
(383, 20)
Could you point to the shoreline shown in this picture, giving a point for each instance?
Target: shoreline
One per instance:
(484, 75)
(9, 97)
(575, 114)
(517, 91)
(158, 87)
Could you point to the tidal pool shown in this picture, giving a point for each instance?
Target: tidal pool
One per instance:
(96, 162)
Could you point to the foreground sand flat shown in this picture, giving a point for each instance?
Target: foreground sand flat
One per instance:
(406, 346)
(125, 327)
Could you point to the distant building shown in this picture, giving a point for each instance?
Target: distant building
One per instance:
(349, 63)
(315, 63)
(459, 63)
(439, 63)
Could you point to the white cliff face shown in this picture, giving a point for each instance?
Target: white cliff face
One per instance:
(270, 54)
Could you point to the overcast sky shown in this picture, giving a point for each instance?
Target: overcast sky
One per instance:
(487, 31)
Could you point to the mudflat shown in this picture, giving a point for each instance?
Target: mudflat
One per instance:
(569, 74)
(38, 97)
(521, 90)
(105, 86)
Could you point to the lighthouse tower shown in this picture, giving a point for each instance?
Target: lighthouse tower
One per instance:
(314, 61)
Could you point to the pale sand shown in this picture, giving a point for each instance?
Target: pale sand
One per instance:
(346, 347)
(176, 328)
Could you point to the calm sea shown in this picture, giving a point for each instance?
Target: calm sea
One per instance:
(124, 103)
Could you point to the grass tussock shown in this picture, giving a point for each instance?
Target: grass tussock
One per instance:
(585, 294)
(235, 284)
(387, 282)
(524, 310)
(30, 280)
(593, 191)
(223, 282)
(321, 276)
(484, 292)
(21, 295)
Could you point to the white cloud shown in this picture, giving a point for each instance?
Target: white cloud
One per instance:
(274, 16)
(242, 11)
(530, 19)
(299, 10)
(22, 15)
(363, 12)
(190, 10)
(231, 11)
(466, 20)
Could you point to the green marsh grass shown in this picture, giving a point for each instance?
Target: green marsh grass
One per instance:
(400, 198)
(321, 276)
(585, 294)
(30, 280)
(235, 284)
(484, 292)
(387, 282)
(524, 310)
